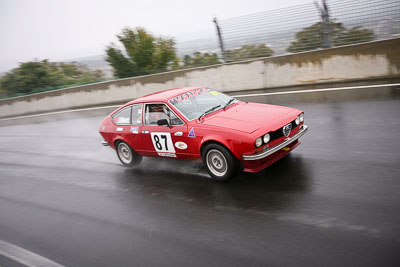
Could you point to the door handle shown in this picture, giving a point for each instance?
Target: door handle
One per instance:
(178, 133)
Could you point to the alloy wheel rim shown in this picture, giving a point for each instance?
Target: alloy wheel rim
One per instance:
(216, 162)
(124, 153)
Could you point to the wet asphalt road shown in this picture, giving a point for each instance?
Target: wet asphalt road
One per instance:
(335, 201)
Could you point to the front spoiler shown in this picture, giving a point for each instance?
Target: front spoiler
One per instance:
(303, 129)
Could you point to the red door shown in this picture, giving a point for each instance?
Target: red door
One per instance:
(163, 141)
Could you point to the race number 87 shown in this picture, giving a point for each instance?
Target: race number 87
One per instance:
(158, 144)
(162, 142)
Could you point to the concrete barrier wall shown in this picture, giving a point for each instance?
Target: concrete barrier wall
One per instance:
(379, 59)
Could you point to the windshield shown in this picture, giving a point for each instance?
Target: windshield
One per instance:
(199, 102)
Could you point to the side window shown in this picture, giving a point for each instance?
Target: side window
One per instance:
(123, 116)
(137, 114)
(174, 120)
(155, 112)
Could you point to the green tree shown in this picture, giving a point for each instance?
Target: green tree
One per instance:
(38, 75)
(311, 37)
(143, 54)
(200, 59)
(353, 36)
(248, 52)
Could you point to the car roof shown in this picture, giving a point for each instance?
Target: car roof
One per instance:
(163, 96)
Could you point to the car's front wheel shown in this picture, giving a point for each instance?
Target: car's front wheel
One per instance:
(220, 163)
(127, 155)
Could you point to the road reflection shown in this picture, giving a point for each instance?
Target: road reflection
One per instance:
(277, 187)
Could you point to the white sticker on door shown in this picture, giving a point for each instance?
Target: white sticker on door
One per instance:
(162, 142)
(181, 145)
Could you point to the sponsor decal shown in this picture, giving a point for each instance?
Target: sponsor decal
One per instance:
(120, 129)
(134, 130)
(188, 95)
(178, 133)
(214, 93)
(191, 133)
(163, 154)
(181, 145)
(103, 128)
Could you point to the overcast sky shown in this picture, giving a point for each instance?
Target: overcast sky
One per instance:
(66, 29)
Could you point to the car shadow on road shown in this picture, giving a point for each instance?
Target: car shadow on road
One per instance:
(278, 187)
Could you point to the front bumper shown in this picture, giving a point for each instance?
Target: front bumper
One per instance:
(303, 129)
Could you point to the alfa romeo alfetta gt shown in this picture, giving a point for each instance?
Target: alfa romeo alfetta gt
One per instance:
(199, 123)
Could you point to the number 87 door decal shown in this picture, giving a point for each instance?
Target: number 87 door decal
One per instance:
(162, 143)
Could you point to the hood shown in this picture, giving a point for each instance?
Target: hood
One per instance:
(249, 117)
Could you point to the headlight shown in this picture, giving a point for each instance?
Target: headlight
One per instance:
(301, 117)
(258, 142)
(266, 138)
(297, 121)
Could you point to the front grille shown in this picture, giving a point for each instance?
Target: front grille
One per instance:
(278, 133)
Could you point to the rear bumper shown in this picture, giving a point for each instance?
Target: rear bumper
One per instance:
(278, 147)
(105, 143)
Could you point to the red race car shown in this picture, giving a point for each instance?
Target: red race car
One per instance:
(200, 123)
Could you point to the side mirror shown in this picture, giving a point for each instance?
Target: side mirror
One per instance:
(163, 122)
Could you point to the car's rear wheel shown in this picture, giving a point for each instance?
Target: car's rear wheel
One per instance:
(127, 155)
(219, 161)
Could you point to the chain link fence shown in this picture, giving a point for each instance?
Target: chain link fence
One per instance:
(307, 27)
(316, 25)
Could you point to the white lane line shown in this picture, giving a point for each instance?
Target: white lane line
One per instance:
(24, 256)
(59, 112)
(249, 95)
(320, 90)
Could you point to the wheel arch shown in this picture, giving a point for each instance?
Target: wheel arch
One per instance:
(118, 139)
(236, 164)
(212, 141)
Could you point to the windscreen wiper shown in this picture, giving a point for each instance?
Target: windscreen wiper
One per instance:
(208, 111)
(229, 102)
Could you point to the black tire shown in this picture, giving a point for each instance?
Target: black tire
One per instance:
(128, 157)
(221, 165)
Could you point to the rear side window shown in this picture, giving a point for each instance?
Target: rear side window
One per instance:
(123, 116)
(137, 114)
